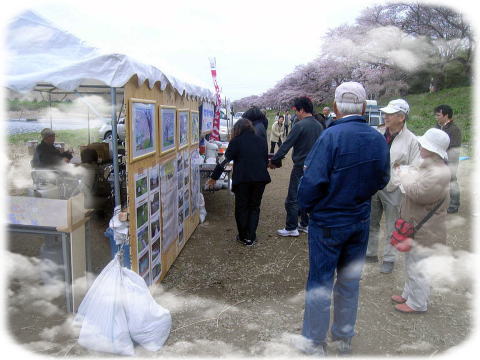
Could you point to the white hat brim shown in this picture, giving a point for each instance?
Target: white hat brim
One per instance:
(428, 146)
(389, 110)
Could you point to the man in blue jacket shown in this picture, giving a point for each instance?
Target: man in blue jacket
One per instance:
(347, 165)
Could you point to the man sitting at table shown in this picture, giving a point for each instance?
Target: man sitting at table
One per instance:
(46, 154)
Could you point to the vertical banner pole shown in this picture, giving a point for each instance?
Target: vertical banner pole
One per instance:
(216, 118)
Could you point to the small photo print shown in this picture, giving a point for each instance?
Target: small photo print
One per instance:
(144, 264)
(179, 180)
(180, 200)
(156, 271)
(141, 186)
(155, 250)
(154, 203)
(154, 178)
(155, 228)
(142, 239)
(142, 214)
(180, 216)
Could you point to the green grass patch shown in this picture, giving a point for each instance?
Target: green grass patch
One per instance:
(72, 138)
(421, 110)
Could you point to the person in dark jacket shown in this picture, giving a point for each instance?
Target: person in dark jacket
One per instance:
(348, 164)
(259, 121)
(46, 155)
(444, 116)
(302, 137)
(249, 153)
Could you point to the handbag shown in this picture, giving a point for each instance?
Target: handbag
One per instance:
(402, 236)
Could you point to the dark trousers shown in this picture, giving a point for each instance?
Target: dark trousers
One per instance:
(272, 145)
(248, 197)
(285, 129)
(291, 204)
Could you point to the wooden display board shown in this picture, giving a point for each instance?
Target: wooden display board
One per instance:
(149, 179)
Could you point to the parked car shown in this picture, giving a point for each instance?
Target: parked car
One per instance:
(105, 132)
(224, 129)
(373, 116)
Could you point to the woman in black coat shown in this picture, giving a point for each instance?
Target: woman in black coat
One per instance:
(259, 121)
(250, 176)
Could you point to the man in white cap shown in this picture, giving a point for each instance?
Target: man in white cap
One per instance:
(346, 166)
(404, 150)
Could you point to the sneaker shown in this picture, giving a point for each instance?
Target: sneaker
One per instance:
(344, 346)
(315, 350)
(302, 228)
(284, 232)
(371, 258)
(387, 267)
(452, 210)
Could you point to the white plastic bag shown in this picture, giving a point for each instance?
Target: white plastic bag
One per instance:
(102, 314)
(148, 322)
(201, 206)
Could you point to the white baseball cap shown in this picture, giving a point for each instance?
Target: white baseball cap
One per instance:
(350, 92)
(436, 141)
(395, 106)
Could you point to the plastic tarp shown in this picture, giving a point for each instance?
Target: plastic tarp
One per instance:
(39, 52)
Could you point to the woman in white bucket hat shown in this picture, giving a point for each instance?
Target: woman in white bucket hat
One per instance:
(425, 187)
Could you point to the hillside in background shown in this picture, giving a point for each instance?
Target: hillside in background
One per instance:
(421, 110)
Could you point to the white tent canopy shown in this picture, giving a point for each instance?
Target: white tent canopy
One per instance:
(39, 52)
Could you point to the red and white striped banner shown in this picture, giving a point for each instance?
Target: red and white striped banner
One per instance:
(216, 118)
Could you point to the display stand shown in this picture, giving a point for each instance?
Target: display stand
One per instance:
(161, 181)
(66, 219)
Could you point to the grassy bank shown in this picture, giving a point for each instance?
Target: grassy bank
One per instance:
(72, 138)
(421, 110)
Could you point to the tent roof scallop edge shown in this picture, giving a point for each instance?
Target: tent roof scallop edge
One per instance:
(40, 52)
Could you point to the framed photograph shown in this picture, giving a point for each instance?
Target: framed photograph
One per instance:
(142, 129)
(194, 127)
(183, 128)
(208, 112)
(168, 139)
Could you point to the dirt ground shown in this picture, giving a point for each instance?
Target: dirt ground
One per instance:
(227, 299)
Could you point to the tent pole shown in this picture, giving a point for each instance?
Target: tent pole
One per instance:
(113, 92)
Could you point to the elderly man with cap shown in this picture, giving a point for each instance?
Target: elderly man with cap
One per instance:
(403, 145)
(46, 154)
(426, 189)
(347, 165)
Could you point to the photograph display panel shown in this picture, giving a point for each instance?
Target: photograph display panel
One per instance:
(143, 129)
(207, 117)
(194, 127)
(169, 201)
(168, 138)
(183, 117)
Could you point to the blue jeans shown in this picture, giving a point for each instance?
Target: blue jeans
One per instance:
(291, 203)
(341, 249)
